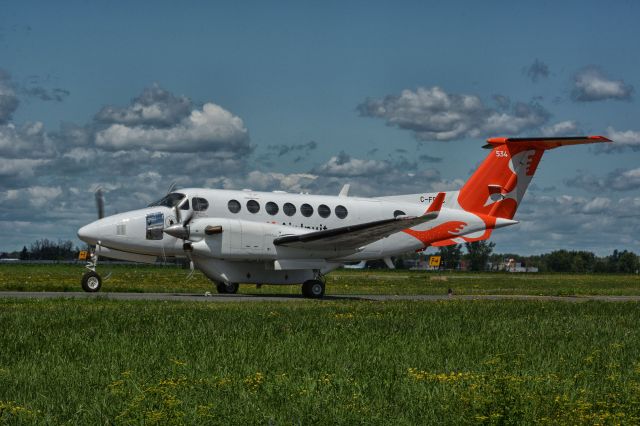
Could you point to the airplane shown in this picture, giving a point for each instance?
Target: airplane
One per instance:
(253, 237)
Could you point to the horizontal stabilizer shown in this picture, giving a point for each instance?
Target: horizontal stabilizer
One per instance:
(354, 236)
(546, 143)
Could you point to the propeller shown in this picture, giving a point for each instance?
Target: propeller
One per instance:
(99, 195)
(100, 202)
(181, 230)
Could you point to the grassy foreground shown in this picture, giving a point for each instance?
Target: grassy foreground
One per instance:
(98, 361)
(139, 278)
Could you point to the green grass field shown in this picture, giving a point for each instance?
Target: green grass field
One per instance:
(311, 362)
(172, 279)
(451, 362)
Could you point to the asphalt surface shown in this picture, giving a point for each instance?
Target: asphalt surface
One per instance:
(214, 297)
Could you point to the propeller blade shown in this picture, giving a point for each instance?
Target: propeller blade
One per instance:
(178, 215)
(100, 202)
(171, 187)
(188, 218)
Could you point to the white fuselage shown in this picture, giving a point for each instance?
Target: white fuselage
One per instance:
(244, 250)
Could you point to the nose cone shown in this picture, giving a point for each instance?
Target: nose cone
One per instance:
(89, 233)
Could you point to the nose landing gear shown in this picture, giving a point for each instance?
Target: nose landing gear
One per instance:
(227, 288)
(91, 280)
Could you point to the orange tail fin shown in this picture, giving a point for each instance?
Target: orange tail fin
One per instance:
(498, 186)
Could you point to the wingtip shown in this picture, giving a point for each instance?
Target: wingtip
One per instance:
(599, 138)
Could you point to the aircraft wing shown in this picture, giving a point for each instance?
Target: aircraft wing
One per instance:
(355, 236)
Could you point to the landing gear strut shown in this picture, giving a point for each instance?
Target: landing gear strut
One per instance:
(227, 288)
(91, 280)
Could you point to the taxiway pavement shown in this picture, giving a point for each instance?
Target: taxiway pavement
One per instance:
(214, 297)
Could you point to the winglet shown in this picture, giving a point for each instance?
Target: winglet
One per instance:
(436, 205)
(344, 192)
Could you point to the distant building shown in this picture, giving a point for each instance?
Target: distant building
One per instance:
(510, 265)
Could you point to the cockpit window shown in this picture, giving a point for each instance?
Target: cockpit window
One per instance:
(170, 200)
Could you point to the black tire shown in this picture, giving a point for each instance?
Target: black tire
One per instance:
(91, 282)
(224, 288)
(313, 289)
(232, 288)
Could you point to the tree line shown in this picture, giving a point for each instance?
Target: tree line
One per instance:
(45, 250)
(479, 256)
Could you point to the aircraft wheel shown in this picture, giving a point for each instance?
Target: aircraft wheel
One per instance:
(313, 289)
(91, 282)
(224, 288)
(232, 288)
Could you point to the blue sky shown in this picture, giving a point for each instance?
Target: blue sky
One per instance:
(286, 93)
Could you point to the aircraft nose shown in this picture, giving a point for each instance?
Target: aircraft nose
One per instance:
(89, 233)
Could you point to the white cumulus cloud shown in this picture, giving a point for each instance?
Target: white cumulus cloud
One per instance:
(433, 114)
(591, 84)
(41, 195)
(562, 128)
(622, 140)
(342, 165)
(211, 129)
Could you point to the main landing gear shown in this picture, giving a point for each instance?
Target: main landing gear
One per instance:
(227, 288)
(91, 280)
(313, 289)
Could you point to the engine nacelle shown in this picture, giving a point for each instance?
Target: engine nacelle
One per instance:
(235, 239)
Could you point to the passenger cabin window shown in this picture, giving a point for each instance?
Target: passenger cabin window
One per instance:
(289, 209)
(399, 213)
(306, 210)
(341, 212)
(271, 208)
(234, 206)
(199, 204)
(253, 206)
(324, 210)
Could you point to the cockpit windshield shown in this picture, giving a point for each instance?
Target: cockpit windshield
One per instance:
(170, 200)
